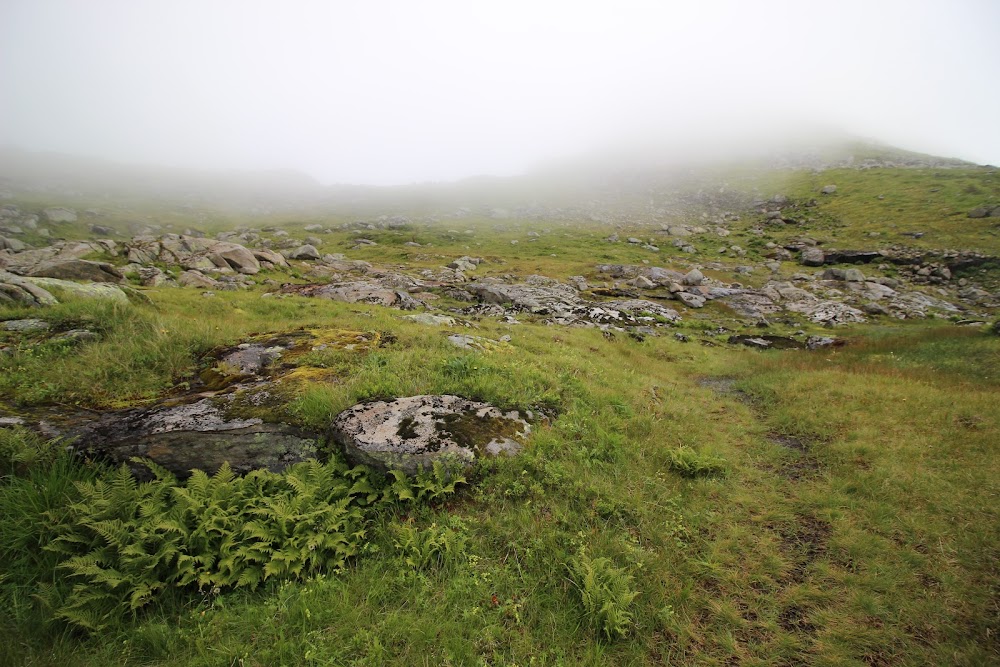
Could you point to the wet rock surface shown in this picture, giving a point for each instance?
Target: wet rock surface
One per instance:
(198, 435)
(410, 434)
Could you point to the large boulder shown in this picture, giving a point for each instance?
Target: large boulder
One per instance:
(265, 255)
(196, 279)
(11, 244)
(812, 256)
(78, 269)
(693, 277)
(59, 214)
(234, 256)
(18, 291)
(85, 290)
(304, 252)
(410, 434)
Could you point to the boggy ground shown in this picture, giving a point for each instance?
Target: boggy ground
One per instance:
(779, 507)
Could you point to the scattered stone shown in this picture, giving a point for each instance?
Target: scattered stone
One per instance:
(828, 189)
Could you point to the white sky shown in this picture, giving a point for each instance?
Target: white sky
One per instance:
(384, 91)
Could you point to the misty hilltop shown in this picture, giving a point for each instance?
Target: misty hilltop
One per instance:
(621, 174)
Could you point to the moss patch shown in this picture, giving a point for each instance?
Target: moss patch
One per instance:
(467, 429)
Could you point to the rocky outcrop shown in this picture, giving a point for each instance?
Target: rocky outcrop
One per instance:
(410, 434)
(561, 302)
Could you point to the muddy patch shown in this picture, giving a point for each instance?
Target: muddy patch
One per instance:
(726, 386)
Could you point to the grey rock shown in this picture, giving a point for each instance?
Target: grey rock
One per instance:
(827, 312)
(691, 300)
(820, 342)
(265, 255)
(467, 342)
(359, 291)
(431, 320)
(77, 336)
(78, 269)
(15, 290)
(979, 212)
(234, 256)
(693, 277)
(25, 326)
(304, 252)
(873, 308)
(410, 434)
(828, 189)
(12, 244)
(812, 256)
(196, 279)
(59, 214)
(199, 435)
(85, 291)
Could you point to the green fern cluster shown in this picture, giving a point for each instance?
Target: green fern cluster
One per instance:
(606, 592)
(428, 484)
(689, 463)
(428, 548)
(125, 542)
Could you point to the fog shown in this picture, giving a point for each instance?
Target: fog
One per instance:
(391, 92)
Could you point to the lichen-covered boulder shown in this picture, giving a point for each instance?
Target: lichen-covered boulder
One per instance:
(410, 434)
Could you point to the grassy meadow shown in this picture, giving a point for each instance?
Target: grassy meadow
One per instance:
(678, 503)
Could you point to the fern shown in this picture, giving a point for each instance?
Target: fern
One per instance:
(606, 593)
(122, 543)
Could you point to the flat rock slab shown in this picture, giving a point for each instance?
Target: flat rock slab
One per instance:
(410, 434)
(196, 435)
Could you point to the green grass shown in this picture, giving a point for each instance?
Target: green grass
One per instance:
(876, 543)
(676, 503)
